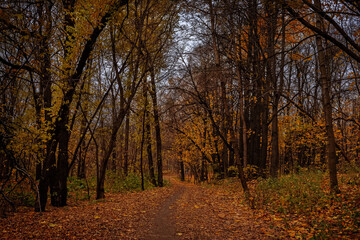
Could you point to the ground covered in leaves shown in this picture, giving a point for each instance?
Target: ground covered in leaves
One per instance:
(187, 211)
(304, 207)
(216, 212)
(180, 211)
(119, 216)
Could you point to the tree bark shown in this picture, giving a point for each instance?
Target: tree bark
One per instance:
(148, 136)
(100, 191)
(182, 170)
(126, 144)
(44, 102)
(326, 88)
(82, 152)
(60, 131)
(271, 12)
(159, 158)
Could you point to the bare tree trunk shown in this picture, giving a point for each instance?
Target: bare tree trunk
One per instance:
(81, 165)
(100, 193)
(218, 74)
(142, 149)
(82, 152)
(159, 158)
(44, 101)
(258, 114)
(148, 136)
(271, 11)
(325, 87)
(58, 189)
(243, 129)
(126, 147)
(182, 171)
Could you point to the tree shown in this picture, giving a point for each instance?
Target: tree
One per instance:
(325, 86)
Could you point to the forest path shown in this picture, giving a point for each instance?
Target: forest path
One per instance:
(164, 223)
(217, 212)
(181, 211)
(209, 212)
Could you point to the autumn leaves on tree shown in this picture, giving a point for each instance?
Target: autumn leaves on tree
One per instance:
(60, 50)
(206, 89)
(263, 89)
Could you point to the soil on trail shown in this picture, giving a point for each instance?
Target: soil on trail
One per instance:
(164, 223)
(181, 211)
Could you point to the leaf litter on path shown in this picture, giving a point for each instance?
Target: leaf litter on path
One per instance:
(181, 211)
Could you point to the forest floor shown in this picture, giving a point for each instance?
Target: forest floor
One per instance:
(180, 211)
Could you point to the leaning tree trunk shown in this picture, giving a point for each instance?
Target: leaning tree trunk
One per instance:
(100, 191)
(56, 176)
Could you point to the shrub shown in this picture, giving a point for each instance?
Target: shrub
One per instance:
(119, 183)
(78, 188)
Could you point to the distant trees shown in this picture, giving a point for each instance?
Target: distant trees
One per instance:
(265, 87)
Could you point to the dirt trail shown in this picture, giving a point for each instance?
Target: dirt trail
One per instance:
(182, 211)
(164, 227)
(196, 212)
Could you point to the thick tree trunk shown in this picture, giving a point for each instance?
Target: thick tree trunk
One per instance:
(44, 101)
(226, 124)
(56, 176)
(48, 170)
(182, 170)
(258, 114)
(58, 183)
(325, 87)
(274, 166)
(281, 85)
(159, 158)
(243, 140)
(271, 12)
(149, 154)
(148, 137)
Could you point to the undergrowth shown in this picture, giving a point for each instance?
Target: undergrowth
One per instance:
(82, 189)
(132, 182)
(304, 205)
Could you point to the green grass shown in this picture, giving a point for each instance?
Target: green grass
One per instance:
(295, 193)
(81, 189)
(305, 203)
